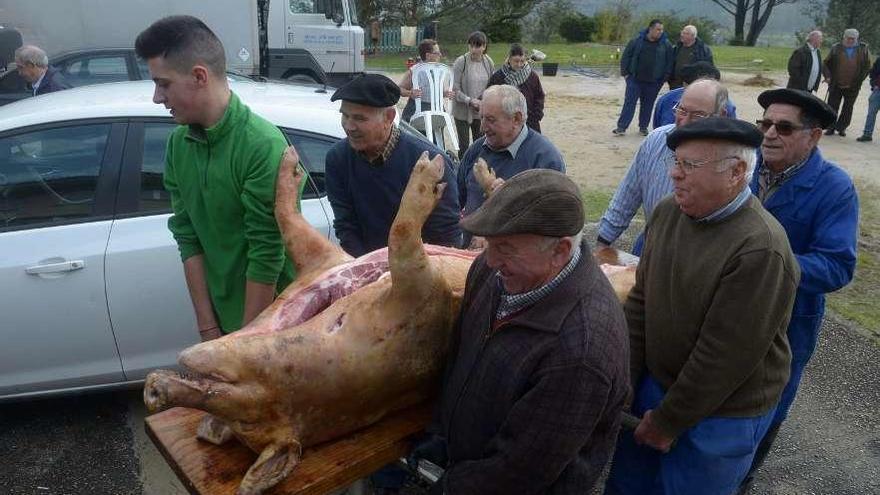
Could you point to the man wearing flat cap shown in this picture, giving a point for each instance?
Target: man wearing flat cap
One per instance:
(537, 374)
(816, 203)
(707, 319)
(367, 172)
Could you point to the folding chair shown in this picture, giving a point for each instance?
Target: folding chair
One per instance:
(437, 77)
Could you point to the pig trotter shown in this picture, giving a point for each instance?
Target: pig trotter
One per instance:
(274, 464)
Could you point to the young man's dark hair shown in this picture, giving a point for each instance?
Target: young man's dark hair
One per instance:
(425, 47)
(654, 22)
(183, 41)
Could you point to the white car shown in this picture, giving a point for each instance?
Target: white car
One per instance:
(92, 293)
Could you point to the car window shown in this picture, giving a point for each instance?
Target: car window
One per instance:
(153, 196)
(312, 151)
(143, 69)
(95, 70)
(50, 175)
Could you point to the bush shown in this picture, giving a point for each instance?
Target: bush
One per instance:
(577, 28)
(503, 31)
(612, 25)
(543, 21)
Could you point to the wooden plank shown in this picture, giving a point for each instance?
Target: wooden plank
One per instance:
(204, 468)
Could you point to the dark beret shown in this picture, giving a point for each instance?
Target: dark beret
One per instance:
(537, 201)
(697, 70)
(372, 90)
(808, 102)
(723, 128)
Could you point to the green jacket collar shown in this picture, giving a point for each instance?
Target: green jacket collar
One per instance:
(235, 113)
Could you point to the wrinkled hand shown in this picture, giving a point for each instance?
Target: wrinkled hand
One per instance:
(648, 434)
(431, 447)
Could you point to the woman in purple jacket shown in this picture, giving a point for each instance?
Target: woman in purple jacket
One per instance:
(517, 71)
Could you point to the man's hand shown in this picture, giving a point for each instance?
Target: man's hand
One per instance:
(648, 434)
(210, 333)
(478, 243)
(416, 93)
(475, 104)
(449, 94)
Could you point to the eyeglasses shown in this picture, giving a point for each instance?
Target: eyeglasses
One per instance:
(689, 166)
(679, 110)
(782, 128)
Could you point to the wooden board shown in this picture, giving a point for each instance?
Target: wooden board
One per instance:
(204, 468)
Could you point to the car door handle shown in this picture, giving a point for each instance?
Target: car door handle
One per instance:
(66, 266)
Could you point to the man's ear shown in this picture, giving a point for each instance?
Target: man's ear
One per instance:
(738, 172)
(518, 118)
(201, 74)
(390, 112)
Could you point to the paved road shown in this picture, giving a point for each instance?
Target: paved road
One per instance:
(94, 444)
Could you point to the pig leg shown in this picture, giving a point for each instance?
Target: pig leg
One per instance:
(312, 253)
(275, 462)
(412, 273)
(213, 430)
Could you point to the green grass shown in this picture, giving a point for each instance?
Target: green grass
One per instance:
(858, 302)
(595, 203)
(592, 54)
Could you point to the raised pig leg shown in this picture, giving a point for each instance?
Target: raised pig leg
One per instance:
(274, 464)
(312, 253)
(412, 273)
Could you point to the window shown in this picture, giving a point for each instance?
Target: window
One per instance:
(144, 69)
(153, 196)
(327, 7)
(95, 70)
(50, 175)
(312, 152)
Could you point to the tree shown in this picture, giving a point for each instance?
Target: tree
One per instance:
(577, 28)
(544, 20)
(835, 16)
(757, 10)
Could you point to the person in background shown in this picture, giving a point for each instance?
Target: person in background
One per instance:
(845, 68)
(805, 64)
(375, 35)
(221, 166)
(517, 72)
(429, 51)
(647, 181)
(817, 204)
(33, 66)
(664, 111)
(689, 50)
(707, 318)
(873, 104)
(367, 172)
(471, 73)
(646, 64)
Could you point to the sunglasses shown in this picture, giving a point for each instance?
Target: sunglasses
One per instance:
(782, 128)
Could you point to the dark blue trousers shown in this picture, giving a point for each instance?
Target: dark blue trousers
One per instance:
(643, 92)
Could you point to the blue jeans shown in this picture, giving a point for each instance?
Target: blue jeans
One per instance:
(643, 92)
(873, 108)
(710, 458)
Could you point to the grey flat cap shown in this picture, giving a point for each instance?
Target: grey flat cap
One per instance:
(538, 201)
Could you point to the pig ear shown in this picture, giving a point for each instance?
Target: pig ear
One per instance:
(274, 464)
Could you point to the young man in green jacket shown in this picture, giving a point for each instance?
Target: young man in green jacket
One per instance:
(220, 168)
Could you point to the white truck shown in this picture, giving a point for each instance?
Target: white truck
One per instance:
(281, 39)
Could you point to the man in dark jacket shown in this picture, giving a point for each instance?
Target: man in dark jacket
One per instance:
(805, 64)
(845, 69)
(646, 64)
(873, 104)
(689, 50)
(33, 65)
(537, 375)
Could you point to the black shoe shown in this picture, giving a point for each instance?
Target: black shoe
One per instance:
(842, 133)
(618, 132)
(864, 139)
(643, 131)
(829, 132)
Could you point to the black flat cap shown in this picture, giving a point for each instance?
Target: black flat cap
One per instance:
(372, 90)
(536, 201)
(697, 70)
(808, 102)
(723, 128)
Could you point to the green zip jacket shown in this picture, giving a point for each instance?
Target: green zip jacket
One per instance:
(222, 186)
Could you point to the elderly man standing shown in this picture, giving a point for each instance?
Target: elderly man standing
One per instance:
(33, 66)
(816, 203)
(537, 376)
(707, 319)
(805, 64)
(689, 50)
(367, 172)
(845, 68)
(647, 181)
(508, 146)
(646, 64)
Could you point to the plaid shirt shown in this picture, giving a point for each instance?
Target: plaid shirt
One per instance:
(534, 407)
(393, 139)
(513, 303)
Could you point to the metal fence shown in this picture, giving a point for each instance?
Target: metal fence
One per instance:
(389, 40)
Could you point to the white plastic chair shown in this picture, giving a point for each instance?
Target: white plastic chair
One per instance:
(437, 77)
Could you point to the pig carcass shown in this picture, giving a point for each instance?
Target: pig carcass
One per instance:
(348, 342)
